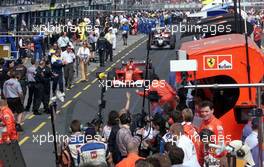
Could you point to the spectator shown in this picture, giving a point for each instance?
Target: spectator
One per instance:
(42, 91)
(124, 135)
(31, 71)
(159, 160)
(101, 47)
(63, 41)
(182, 141)
(20, 72)
(8, 123)
(159, 126)
(191, 132)
(13, 93)
(3, 75)
(176, 155)
(38, 47)
(257, 34)
(113, 120)
(125, 29)
(113, 130)
(52, 50)
(93, 152)
(68, 58)
(84, 55)
(252, 142)
(132, 156)
(76, 140)
(143, 163)
(247, 130)
(92, 42)
(109, 46)
(56, 67)
(114, 33)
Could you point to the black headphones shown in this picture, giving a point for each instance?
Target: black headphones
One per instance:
(240, 152)
(125, 118)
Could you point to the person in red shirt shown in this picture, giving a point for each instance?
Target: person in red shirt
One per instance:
(132, 156)
(165, 91)
(8, 123)
(191, 132)
(257, 35)
(210, 122)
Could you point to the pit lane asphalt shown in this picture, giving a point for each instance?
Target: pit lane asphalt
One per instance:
(82, 103)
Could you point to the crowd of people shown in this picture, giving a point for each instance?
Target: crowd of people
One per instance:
(168, 136)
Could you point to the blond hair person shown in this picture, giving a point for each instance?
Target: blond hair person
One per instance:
(84, 55)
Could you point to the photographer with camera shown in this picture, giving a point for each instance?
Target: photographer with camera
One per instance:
(7, 124)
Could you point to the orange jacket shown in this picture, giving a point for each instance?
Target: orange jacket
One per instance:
(164, 90)
(129, 161)
(9, 122)
(191, 132)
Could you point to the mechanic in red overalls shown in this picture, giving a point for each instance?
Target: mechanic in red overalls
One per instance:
(213, 124)
(165, 91)
(7, 124)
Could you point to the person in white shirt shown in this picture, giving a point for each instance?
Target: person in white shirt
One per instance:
(182, 141)
(68, 58)
(63, 41)
(114, 32)
(253, 143)
(84, 55)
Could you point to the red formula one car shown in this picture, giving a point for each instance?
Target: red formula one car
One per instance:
(130, 74)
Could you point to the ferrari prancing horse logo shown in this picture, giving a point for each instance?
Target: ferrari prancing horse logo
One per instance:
(211, 62)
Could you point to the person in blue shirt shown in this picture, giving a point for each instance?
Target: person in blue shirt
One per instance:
(125, 29)
(38, 51)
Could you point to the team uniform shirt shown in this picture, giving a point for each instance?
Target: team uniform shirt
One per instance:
(190, 131)
(216, 127)
(8, 121)
(12, 88)
(67, 57)
(164, 90)
(31, 71)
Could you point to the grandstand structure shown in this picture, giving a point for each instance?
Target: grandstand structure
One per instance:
(17, 15)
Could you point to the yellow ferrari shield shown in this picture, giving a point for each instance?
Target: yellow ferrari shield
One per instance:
(211, 62)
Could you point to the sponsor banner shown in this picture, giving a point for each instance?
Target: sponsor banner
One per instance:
(217, 62)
